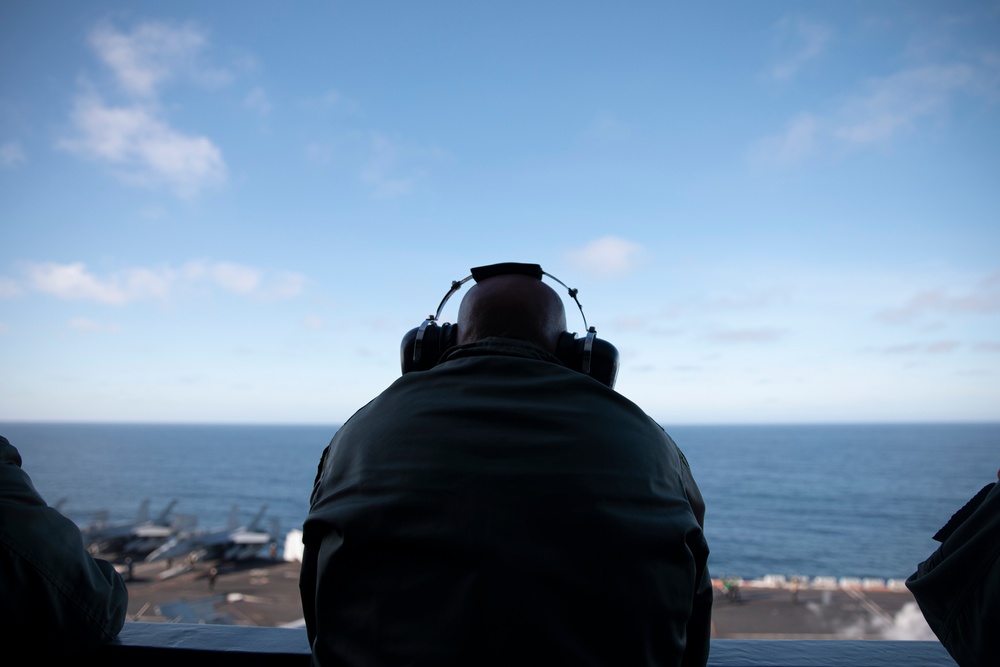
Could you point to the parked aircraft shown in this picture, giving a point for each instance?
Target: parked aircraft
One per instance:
(234, 542)
(137, 537)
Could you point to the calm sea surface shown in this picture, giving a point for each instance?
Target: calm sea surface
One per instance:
(837, 501)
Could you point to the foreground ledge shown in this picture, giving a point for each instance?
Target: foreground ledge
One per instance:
(221, 645)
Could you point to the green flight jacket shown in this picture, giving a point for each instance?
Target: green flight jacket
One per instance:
(958, 587)
(501, 508)
(51, 588)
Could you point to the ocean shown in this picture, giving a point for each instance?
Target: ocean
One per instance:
(810, 500)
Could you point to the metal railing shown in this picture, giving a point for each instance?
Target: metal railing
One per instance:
(188, 645)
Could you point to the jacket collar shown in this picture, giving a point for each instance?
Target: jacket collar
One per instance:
(496, 346)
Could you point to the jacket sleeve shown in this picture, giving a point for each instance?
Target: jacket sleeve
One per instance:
(50, 586)
(958, 587)
(699, 627)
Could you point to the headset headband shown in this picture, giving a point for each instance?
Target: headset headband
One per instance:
(481, 273)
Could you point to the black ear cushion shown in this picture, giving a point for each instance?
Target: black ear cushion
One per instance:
(435, 341)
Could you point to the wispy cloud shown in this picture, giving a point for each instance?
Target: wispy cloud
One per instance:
(74, 282)
(90, 326)
(333, 100)
(893, 103)
(750, 335)
(608, 256)
(882, 108)
(387, 167)
(145, 149)
(134, 137)
(155, 53)
(313, 323)
(936, 347)
(11, 154)
(257, 101)
(791, 145)
(982, 298)
(797, 41)
(752, 299)
(9, 288)
(382, 170)
(283, 285)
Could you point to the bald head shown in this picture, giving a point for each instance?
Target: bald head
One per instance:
(512, 306)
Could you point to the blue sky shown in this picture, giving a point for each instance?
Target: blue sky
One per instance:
(231, 212)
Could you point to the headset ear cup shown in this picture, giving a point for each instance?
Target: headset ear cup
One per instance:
(603, 357)
(422, 347)
(419, 348)
(604, 362)
(406, 348)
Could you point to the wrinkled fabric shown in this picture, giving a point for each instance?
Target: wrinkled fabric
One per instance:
(958, 587)
(503, 509)
(51, 588)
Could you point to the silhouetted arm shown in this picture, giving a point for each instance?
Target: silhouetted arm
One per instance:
(50, 586)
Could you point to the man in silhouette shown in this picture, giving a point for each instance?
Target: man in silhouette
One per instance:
(51, 588)
(502, 508)
(958, 586)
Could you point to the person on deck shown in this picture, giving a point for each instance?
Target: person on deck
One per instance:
(502, 508)
(958, 586)
(51, 588)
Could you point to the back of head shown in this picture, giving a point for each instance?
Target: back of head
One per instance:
(512, 306)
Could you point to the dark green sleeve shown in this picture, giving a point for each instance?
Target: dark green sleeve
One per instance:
(50, 586)
(958, 587)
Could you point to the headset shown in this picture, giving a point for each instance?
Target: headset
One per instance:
(422, 347)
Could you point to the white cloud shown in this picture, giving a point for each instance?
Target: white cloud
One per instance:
(90, 326)
(153, 54)
(257, 101)
(71, 281)
(236, 277)
(11, 154)
(789, 146)
(608, 256)
(133, 138)
(319, 152)
(753, 299)
(9, 288)
(800, 41)
(286, 285)
(381, 170)
(313, 323)
(898, 101)
(882, 108)
(936, 347)
(983, 298)
(75, 282)
(333, 100)
(757, 335)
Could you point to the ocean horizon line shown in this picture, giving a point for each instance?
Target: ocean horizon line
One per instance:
(336, 425)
